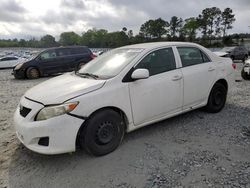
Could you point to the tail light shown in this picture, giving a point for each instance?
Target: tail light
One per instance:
(234, 65)
(93, 56)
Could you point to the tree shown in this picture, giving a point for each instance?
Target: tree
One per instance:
(175, 25)
(227, 20)
(209, 22)
(94, 38)
(48, 41)
(154, 28)
(116, 39)
(189, 28)
(69, 38)
(130, 34)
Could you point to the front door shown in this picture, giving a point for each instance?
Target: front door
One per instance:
(161, 93)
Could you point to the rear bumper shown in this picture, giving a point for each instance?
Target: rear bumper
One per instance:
(61, 131)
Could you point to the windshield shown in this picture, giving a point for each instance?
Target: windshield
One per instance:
(111, 63)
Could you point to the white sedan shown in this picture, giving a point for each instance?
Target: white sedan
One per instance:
(9, 62)
(122, 90)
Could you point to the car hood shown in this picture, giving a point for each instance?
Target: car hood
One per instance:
(59, 89)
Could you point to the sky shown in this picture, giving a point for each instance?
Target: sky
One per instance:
(35, 18)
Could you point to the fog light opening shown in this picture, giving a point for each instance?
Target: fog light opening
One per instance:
(44, 141)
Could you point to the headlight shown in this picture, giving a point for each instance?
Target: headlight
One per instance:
(52, 111)
(18, 66)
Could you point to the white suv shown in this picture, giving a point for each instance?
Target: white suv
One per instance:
(120, 91)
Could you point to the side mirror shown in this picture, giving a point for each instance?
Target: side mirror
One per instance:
(140, 74)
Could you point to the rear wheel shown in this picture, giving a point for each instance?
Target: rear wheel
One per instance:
(80, 65)
(217, 98)
(102, 133)
(244, 75)
(32, 73)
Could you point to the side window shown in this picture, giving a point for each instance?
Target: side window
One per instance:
(158, 61)
(192, 56)
(77, 51)
(63, 52)
(48, 55)
(205, 58)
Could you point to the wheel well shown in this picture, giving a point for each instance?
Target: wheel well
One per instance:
(223, 82)
(118, 110)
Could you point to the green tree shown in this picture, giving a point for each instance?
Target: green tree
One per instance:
(94, 38)
(48, 41)
(154, 28)
(189, 28)
(227, 20)
(175, 25)
(116, 39)
(69, 38)
(209, 22)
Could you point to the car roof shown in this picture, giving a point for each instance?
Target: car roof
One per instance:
(62, 47)
(152, 45)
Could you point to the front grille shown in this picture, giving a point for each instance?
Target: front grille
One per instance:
(24, 111)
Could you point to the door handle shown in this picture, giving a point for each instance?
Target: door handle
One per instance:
(176, 77)
(211, 69)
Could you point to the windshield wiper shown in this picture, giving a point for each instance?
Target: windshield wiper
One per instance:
(89, 75)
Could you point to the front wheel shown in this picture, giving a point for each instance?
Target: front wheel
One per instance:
(32, 73)
(217, 98)
(102, 133)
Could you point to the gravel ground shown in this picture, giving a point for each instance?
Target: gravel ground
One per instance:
(195, 149)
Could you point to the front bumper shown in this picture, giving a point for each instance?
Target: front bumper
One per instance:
(18, 74)
(61, 130)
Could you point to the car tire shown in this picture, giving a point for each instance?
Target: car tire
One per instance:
(79, 66)
(102, 133)
(32, 73)
(232, 57)
(217, 98)
(244, 75)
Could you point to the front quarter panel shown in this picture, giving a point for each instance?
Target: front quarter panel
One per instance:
(112, 94)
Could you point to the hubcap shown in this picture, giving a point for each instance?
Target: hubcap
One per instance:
(34, 73)
(105, 133)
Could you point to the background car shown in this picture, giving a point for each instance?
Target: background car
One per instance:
(236, 52)
(54, 60)
(245, 73)
(9, 62)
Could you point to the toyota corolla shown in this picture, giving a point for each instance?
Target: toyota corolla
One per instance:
(118, 92)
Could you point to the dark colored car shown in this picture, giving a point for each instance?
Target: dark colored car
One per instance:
(54, 60)
(236, 52)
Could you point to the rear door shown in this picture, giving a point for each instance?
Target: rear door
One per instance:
(198, 73)
(64, 56)
(80, 55)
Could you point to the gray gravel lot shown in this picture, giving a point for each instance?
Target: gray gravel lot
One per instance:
(195, 149)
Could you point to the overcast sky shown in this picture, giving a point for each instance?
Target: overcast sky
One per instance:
(35, 18)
